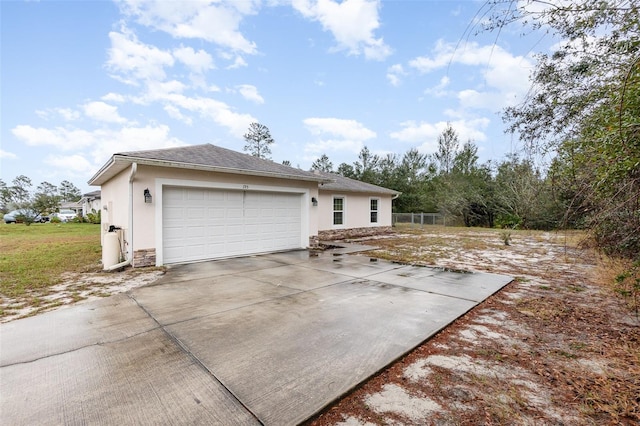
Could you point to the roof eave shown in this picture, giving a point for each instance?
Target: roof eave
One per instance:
(115, 159)
(362, 191)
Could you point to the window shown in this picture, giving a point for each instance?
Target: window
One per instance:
(338, 211)
(374, 210)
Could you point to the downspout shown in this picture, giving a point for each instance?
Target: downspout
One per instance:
(134, 169)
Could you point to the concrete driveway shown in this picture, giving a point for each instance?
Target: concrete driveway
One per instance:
(260, 340)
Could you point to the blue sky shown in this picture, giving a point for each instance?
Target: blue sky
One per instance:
(82, 80)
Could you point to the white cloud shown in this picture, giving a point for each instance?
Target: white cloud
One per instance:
(440, 89)
(349, 129)
(502, 78)
(336, 134)
(352, 23)
(211, 20)
(71, 164)
(130, 138)
(7, 155)
(113, 97)
(250, 93)
(60, 137)
(157, 91)
(177, 114)
(239, 62)
(219, 112)
(198, 62)
(500, 69)
(66, 114)
(104, 112)
(394, 73)
(441, 56)
(92, 148)
(427, 133)
(134, 60)
(100, 142)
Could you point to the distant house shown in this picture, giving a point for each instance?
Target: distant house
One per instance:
(202, 202)
(90, 202)
(76, 206)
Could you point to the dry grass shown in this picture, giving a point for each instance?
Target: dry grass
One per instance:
(556, 346)
(34, 258)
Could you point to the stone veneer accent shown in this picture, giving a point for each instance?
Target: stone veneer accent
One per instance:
(314, 241)
(352, 233)
(144, 257)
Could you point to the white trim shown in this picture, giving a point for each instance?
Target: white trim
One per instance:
(160, 183)
(377, 210)
(344, 211)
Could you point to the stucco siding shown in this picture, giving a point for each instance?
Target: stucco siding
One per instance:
(146, 216)
(356, 213)
(114, 197)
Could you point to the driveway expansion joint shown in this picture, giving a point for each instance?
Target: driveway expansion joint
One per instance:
(193, 357)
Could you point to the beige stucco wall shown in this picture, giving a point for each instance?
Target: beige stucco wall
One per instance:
(114, 200)
(146, 217)
(356, 210)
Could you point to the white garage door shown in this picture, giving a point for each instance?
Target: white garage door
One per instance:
(200, 223)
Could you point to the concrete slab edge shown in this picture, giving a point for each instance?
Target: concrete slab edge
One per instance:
(398, 358)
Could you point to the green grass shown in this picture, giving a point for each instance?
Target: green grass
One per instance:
(33, 258)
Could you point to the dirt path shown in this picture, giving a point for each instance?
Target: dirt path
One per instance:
(553, 347)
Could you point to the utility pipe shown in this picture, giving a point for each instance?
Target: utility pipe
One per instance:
(134, 169)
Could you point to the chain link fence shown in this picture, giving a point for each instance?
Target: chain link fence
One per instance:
(418, 219)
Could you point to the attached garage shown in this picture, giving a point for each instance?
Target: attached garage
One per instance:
(201, 202)
(203, 223)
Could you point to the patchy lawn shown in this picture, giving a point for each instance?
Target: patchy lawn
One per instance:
(47, 265)
(556, 346)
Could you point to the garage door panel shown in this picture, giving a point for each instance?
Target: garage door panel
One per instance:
(173, 213)
(215, 230)
(251, 213)
(196, 232)
(234, 213)
(195, 194)
(175, 195)
(215, 196)
(202, 223)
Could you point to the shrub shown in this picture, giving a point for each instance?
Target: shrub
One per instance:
(506, 237)
(94, 216)
(628, 285)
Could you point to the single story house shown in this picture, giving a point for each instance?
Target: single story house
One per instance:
(202, 202)
(90, 201)
(76, 206)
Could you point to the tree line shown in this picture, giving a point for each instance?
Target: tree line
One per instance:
(583, 108)
(45, 199)
(512, 193)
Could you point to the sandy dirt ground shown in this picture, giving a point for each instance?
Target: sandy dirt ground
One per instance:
(77, 287)
(554, 347)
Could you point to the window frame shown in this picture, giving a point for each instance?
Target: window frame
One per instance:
(334, 211)
(376, 211)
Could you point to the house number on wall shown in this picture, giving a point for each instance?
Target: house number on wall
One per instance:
(245, 186)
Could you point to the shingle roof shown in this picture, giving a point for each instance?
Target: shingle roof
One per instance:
(341, 183)
(92, 194)
(204, 157)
